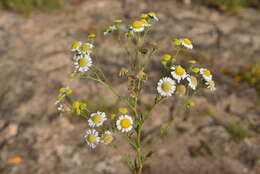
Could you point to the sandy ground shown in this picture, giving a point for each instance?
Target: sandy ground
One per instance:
(35, 63)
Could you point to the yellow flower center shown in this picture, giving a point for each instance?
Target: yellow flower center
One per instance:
(137, 24)
(96, 118)
(75, 45)
(92, 138)
(193, 80)
(207, 73)
(107, 138)
(166, 86)
(125, 123)
(85, 47)
(179, 71)
(83, 62)
(187, 41)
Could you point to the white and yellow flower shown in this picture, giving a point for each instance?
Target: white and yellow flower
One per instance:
(193, 82)
(106, 137)
(211, 85)
(86, 48)
(206, 74)
(153, 16)
(137, 26)
(82, 63)
(166, 87)
(186, 43)
(97, 119)
(178, 73)
(76, 46)
(124, 123)
(92, 138)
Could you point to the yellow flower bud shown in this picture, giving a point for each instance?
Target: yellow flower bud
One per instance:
(176, 42)
(113, 116)
(196, 70)
(191, 103)
(144, 16)
(92, 36)
(117, 21)
(163, 62)
(123, 110)
(192, 62)
(62, 90)
(167, 57)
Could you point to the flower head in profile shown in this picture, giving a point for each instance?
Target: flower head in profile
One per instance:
(206, 74)
(193, 82)
(97, 119)
(86, 48)
(211, 85)
(82, 63)
(76, 46)
(92, 138)
(124, 123)
(166, 87)
(145, 23)
(137, 26)
(153, 16)
(186, 43)
(106, 137)
(110, 29)
(178, 73)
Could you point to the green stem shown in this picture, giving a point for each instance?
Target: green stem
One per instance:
(139, 160)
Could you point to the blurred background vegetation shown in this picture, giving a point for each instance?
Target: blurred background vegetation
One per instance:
(28, 6)
(233, 5)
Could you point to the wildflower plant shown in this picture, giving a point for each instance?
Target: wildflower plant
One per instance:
(176, 80)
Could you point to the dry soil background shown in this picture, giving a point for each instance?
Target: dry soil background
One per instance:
(35, 62)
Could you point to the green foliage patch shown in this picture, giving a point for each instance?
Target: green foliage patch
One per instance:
(28, 6)
(233, 5)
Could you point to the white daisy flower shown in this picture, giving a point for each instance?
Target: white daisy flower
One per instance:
(193, 82)
(82, 63)
(124, 123)
(76, 46)
(153, 16)
(92, 138)
(106, 137)
(178, 73)
(137, 26)
(145, 23)
(166, 87)
(86, 48)
(206, 74)
(211, 85)
(186, 43)
(97, 119)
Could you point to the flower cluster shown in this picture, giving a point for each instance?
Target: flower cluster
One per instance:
(82, 56)
(176, 79)
(101, 132)
(60, 102)
(180, 77)
(143, 24)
